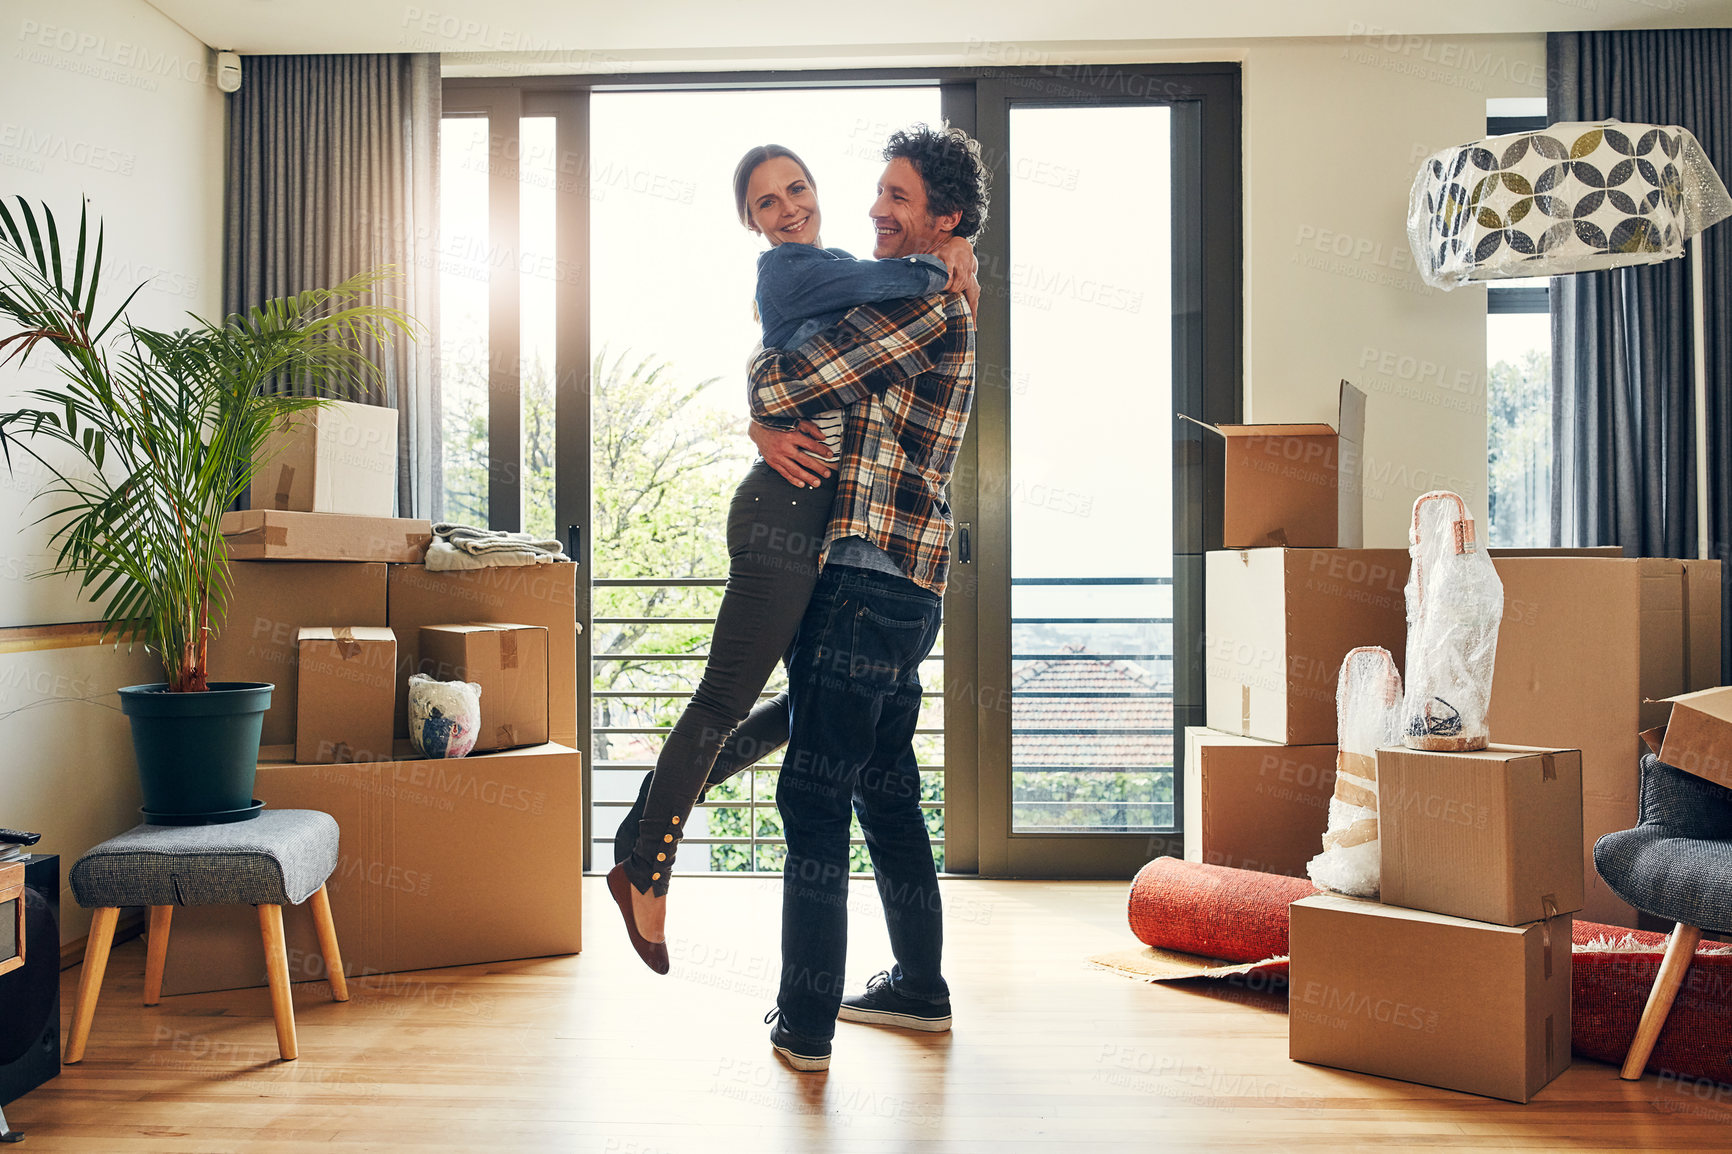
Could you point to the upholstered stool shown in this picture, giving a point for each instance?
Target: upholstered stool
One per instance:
(282, 857)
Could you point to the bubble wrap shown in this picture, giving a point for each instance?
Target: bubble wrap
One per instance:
(1570, 198)
(444, 716)
(1368, 714)
(1454, 604)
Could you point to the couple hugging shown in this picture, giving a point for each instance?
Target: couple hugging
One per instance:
(838, 547)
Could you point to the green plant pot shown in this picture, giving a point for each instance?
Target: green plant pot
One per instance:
(198, 753)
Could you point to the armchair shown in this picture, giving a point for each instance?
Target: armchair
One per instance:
(1676, 864)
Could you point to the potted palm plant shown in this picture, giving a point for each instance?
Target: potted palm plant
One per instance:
(147, 437)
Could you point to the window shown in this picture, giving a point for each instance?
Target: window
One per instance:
(1518, 385)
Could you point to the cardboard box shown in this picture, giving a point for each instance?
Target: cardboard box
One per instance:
(271, 535)
(1295, 485)
(1698, 735)
(441, 863)
(1587, 650)
(338, 458)
(1254, 805)
(269, 603)
(509, 662)
(1277, 624)
(1429, 998)
(1493, 835)
(347, 690)
(544, 595)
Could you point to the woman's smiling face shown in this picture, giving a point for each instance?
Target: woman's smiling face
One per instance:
(783, 203)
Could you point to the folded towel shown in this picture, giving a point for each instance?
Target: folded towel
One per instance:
(479, 542)
(442, 556)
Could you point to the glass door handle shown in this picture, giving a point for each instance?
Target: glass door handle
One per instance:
(964, 543)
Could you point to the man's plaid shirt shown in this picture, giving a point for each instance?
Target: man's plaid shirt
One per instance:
(910, 365)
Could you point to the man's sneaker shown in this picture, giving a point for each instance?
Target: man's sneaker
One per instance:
(803, 1054)
(880, 1005)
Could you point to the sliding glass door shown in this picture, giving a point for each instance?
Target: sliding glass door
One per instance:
(596, 324)
(1113, 259)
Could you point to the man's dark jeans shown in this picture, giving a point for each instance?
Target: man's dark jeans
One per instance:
(854, 686)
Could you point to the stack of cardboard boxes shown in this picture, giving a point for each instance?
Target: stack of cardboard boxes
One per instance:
(1591, 650)
(330, 602)
(1460, 976)
(1288, 596)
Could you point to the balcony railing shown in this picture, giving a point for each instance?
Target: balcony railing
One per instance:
(615, 779)
(757, 795)
(1138, 648)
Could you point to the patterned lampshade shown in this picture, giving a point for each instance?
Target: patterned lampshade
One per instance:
(1569, 198)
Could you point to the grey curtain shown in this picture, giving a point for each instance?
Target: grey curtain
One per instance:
(333, 169)
(1623, 424)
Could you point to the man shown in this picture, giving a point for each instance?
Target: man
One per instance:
(854, 681)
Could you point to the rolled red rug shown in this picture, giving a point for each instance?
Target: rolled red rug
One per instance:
(1235, 915)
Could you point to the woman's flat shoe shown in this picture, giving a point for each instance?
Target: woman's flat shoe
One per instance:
(654, 954)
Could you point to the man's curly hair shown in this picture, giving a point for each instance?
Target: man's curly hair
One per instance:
(949, 164)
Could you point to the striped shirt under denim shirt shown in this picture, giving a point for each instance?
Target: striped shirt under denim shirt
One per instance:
(910, 363)
(803, 289)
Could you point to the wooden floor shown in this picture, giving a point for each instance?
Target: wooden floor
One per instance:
(595, 1053)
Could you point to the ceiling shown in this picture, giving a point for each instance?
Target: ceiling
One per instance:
(592, 36)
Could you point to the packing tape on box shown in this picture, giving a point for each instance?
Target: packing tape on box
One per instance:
(264, 535)
(1358, 764)
(346, 643)
(1550, 903)
(1358, 833)
(285, 483)
(508, 649)
(1244, 709)
(1548, 767)
(1353, 793)
(1685, 576)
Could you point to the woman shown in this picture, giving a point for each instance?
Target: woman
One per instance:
(775, 530)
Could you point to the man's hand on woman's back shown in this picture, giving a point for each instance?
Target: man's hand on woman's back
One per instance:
(799, 455)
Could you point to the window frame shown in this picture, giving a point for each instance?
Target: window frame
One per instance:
(1208, 381)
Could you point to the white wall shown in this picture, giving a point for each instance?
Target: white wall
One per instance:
(1334, 133)
(105, 99)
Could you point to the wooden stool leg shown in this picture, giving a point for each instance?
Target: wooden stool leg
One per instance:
(156, 953)
(277, 967)
(328, 944)
(1666, 983)
(90, 981)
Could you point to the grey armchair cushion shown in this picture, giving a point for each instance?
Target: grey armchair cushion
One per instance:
(1678, 862)
(279, 858)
